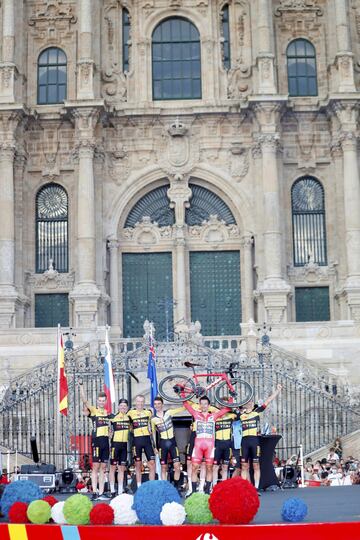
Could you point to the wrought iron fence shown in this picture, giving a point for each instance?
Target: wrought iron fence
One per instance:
(311, 409)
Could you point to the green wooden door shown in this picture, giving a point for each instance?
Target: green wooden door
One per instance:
(215, 291)
(147, 293)
(312, 304)
(51, 310)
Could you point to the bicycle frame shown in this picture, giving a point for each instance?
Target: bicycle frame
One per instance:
(221, 377)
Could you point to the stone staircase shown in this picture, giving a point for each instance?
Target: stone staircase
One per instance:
(350, 445)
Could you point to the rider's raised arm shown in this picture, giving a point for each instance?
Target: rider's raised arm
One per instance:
(175, 410)
(273, 396)
(221, 412)
(83, 398)
(188, 407)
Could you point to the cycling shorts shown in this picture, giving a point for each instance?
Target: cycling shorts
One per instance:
(222, 452)
(203, 448)
(100, 449)
(250, 449)
(190, 446)
(143, 443)
(168, 448)
(118, 453)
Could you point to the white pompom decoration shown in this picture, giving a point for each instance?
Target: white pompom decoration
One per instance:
(57, 513)
(123, 512)
(172, 514)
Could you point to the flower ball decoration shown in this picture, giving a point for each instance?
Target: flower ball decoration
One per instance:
(197, 508)
(18, 513)
(123, 510)
(39, 512)
(151, 497)
(19, 491)
(172, 514)
(102, 514)
(124, 514)
(50, 499)
(57, 513)
(234, 501)
(294, 510)
(77, 510)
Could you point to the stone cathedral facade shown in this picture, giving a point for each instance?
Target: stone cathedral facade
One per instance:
(180, 161)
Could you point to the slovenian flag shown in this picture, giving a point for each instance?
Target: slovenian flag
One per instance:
(62, 380)
(151, 371)
(109, 387)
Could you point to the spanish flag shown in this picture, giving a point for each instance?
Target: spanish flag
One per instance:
(62, 380)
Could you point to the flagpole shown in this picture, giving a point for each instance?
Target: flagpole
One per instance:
(57, 415)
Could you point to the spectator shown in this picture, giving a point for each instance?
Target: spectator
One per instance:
(338, 447)
(332, 456)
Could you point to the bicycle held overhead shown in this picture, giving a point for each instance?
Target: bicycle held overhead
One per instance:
(230, 391)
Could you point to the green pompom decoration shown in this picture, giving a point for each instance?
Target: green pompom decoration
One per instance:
(77, 510)
(197, 508)
(39, 512)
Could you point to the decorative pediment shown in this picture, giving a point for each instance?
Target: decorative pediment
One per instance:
(311, 6)
(50, 280)
(214, 231)
(147, 233)
(52, 20)
(312, 273)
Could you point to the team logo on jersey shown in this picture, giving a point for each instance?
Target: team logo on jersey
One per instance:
(207, 536)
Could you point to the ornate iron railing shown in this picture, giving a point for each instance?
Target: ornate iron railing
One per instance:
(312, 409)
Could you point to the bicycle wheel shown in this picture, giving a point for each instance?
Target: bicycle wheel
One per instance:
(243, 393)
(167, 385)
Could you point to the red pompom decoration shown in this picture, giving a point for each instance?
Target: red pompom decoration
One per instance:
(102, 514)
(234, 501)
(17, 513)
(50, 499)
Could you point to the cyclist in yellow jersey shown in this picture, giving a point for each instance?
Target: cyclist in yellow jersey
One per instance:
(140, 419)
(162, 422)
(99, 441)
(250, 443)
(223, 442)
(119, 441)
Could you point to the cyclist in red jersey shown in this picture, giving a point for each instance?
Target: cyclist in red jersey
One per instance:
(204, 445)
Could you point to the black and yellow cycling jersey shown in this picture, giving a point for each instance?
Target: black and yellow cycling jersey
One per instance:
(121, 427)
(140, 421)
(251, 422)
(223, 427)
(100, 422)
(164, 424)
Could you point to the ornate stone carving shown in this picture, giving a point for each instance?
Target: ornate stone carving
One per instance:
(52, 21)
(214, 231)
(147, 233)
(306, 144)
(179, 194)
(50, 280)
(298, 5)
(312, 272)
(119, 163)
(238, 80)
(178, 150)
(115, 84)
(239, 161)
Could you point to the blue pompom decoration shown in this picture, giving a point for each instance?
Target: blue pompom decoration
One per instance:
(294, 510)
(150, 498)
(19, 491)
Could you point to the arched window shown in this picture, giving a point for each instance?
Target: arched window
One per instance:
(125, 38)
(52, 228)
(203, 204)
(225, 31)
(51, 76)
(156, 206)
(301, 68)
(176, 60)
(308, 218)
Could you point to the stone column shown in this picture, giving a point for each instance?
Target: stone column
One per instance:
(344, 56)
(347, 114)
(7, 65)
(113, 246)
(247, 271)
(274, 288)
(352, 220)
(9, 297)
(85, 86)
(179, 194)
(265, 59)
(86, 293)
